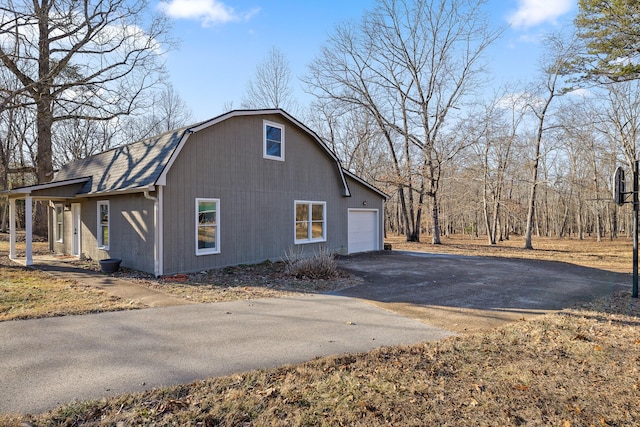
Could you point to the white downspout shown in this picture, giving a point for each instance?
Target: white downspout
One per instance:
(157, 223)
(12, 229)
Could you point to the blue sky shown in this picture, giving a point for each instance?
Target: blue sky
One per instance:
(222, 41)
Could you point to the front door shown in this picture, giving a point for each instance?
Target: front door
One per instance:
(76, 226)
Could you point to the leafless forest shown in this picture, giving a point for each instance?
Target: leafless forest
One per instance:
(401, 96)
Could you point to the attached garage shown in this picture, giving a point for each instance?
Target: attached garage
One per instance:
(363, 230)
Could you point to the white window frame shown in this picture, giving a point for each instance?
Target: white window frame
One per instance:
(59, 224)
(207, 251)
(264, 140)
(309, 238)
(101, 244)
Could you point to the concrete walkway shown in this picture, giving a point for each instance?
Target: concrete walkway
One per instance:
(49, 362)
(126, 289)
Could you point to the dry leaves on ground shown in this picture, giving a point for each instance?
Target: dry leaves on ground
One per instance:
(264, 280)
(575, 368)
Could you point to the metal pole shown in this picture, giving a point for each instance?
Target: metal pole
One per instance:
(635, 229)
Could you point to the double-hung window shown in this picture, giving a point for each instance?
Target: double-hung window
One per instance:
(311, 222)
(207, 226)
(103, 225)
(59, 223)
(273, 141)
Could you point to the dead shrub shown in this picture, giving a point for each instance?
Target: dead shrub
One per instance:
(320, 265)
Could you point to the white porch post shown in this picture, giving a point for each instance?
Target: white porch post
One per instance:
(28, 225)
(12, 229)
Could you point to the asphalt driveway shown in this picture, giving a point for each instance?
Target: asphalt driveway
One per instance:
(404, 298)
(48, 362)
(464, 293)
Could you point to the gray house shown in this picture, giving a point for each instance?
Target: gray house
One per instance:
(243, 187)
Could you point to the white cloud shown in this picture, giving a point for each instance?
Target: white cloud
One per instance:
(209, 12)
(535, 12)
(515, 101)
(581, 93)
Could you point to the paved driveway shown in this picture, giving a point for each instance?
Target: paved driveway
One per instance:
(464, 293)
(48, 362)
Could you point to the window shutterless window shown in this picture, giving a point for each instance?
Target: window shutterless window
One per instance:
(59, 223)
(207, 226)
(103, 225)
(311, 223)
(273, 141)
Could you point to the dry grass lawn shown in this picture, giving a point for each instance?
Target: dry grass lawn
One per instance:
(613, 255)
(579, 367)
(576, 368)
(27, 294)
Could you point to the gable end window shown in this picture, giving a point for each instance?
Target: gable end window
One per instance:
(207, 226)
(59, 223)
(311, 222)
(273, 141)
(104, 217)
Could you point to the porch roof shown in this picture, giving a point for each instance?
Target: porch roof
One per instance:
(129, 168)
(57, 190)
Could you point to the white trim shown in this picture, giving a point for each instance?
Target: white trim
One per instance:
(28, 190)
(12, 229)
(207, 251)
(266, 123)
(160, 231)
(76, 238)
(58, 234)
(28, 228)
(365, 183)
(100, 243)
(309, 238)
(162, 179)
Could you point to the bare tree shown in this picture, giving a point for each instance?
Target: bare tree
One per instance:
(497, 130)
(622, 120)
(559, 52)
(89, 60)
(409, 64)
(168, 112)
(270, 86)
(352, 135)
(77, 138)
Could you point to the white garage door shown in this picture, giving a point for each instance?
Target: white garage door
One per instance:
(363, 231)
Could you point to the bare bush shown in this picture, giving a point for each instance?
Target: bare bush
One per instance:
(321, 265)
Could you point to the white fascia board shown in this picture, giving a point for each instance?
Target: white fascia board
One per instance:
(238, 113)
(162, 179)
(30, 189)
(366, 184)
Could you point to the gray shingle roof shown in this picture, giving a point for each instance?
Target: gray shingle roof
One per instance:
(138, 166)
(128, 167)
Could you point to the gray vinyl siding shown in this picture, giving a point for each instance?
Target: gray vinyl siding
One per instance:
(257, 195)
(131, 231)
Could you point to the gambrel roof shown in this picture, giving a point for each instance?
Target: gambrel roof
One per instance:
(142, 165)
